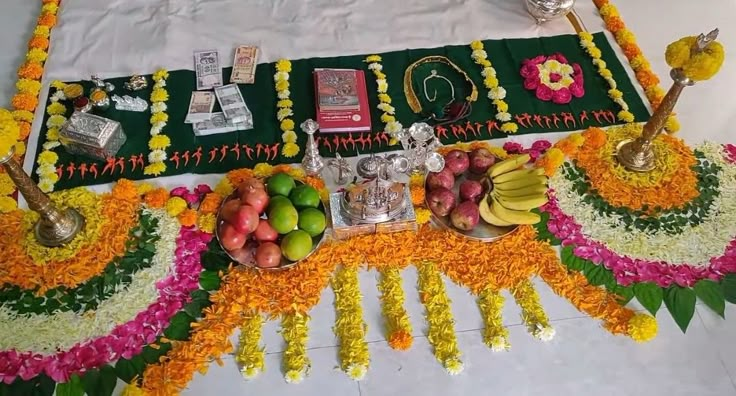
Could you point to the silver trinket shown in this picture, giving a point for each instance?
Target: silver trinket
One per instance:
(340, 169)
(374, 202)
(312, 161)
(101, 84)
(136, 83)
(99, 99)
(92, 135)
(547, 10)
(129, 103)
(420, 145)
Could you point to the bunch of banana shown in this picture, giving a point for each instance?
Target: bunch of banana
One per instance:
(515, 192)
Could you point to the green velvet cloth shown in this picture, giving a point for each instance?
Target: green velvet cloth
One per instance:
(219, 153)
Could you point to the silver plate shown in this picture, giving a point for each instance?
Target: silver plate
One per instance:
(316, 240)
(482, 232)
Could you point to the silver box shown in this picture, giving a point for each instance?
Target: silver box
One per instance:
(91, 135)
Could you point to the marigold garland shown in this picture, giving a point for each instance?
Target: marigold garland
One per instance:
(398, 328)
(350, 328)
(388, 117)
(284, 106)
(441, 333)
(251, 354)
(695, 66)
(159, 118)
(495, 334)
(294, 329)
(496, 93)
(532, 314)
(644, 74)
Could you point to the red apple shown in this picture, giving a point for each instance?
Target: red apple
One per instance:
(457, 161)
(480, 160)
(441, 179)
(441, 201)
(244, 255)
(230, 237)
(268, 255)
(251, 183)
(255, 197)
(229, 210)
(465, 216)
(265, 233)
(246, 219)
(471, 190)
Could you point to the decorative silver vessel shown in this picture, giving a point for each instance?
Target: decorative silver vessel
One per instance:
(547, 10)
(92, 135)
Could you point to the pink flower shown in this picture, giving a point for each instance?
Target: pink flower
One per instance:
(513, 147)
(203, 189)
(533, 155)
(555, 77)
(530, 70)
(191, 198)
(576, 89)
(179, 191)
(561, 96)
(558, 57)
(730, 152)
(541, 145)
(531, 84)
(544, 93)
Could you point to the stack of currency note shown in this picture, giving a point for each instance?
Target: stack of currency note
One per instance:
(244, 65)
(219, 124)
(232, 104)
(200, 107)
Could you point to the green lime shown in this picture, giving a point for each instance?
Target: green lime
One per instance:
(312, 221)
(296, 245)
(304, 196)
(280, 184)
(277, 200)
(283, 218)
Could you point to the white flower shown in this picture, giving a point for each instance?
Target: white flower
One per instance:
(284, 113)
(294, 376)
(284, 94)
(545, 334)
(393, 127)
(622, 103)
(50, 145)
(553, 66)
(158, 107)
(57, 96)
(382, 85)
(600, 63)
(454, 366)
(45, 169)
(566, 69)
(611, 82)
(503, 116)
(497, 93)
(488, 72)
(387, 108)
(281, 76)
(155, 131)
(587, 44)
(47, 186)
(375, 67)
(160, 83)
(499, 344)
(555, 86)
(250, 372)
(567, 81)
(157, 156)
(357, 371)
(479, 55)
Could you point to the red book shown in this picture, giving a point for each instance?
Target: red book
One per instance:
(342, 100)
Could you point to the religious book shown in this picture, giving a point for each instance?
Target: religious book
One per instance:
(342, 100)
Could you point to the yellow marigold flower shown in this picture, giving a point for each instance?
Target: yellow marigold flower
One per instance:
(262, 170)
(287, 125)
(49, 8)
(206, 223)
(283, 65)
(615, 94)
(373, 58)
(23, 115)
(639, 62)
(655, 91)
(282, 85)
(56, 108)
(490, 82)
(58, 84)
(37, 55)
(625, 116)
(159, 142)
(501, 105)
(42, 31)
(423, 215)
(132, 389)
(224, 187)
(608, 10)
(175, 205)
(160, 74)
(499, 152)
(384, 98)
(700, 66)
(159, 117)
(7, 204)
(46, 185)
(577, 139)
(20, 148)
(386, 118)
(290, 150)
(55, 121)
(642, 327)
(595, 52)
(284, 103)
(672, 125)
(159, 95)
(48, 157)
(380, 75)
(143, 188)
(484, 62)
(416, 180)
(154, 169)
(52, 134)
(509, 127)
(52, 177)
(625, 36)
(29, 86)
(585, 36)
(289, 137)
(6, 184)
(605, 73)
(297, 173)
(476, 45)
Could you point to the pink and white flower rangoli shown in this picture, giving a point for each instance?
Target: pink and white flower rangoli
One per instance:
(553, 78)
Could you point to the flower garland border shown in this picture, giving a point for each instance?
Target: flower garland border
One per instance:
(159, 142)
(350, 327)
(46, 170)
(496, 93)
(388, 117)
(284, 106)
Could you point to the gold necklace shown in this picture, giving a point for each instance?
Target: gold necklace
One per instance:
(411, 96)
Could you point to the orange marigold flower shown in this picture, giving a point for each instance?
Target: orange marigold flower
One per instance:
(614, 24)
(417, 195)
(315, 182)
(400, 340)
(23, 101)
(47, 20)
(567, 146)
(283, 168)
(25, 129)
(210, 203)
(647, 78)
(631, 50)
(39, 42)
(31, 70)
(157, 198)
(51, 1)
(237, 176)
(550, 161)
(188, 218)
(126, 190)
(600, 3)
(594, 137)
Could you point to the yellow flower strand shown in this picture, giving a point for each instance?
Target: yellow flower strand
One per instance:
(439, 318)
(295, 330)
(388, 117)
(495, 335)
(496, 93)
(250, 354)
(398, 327)
(532, 313)
(46, 169)
(350, 328)
(642, 327)
(586, 41)
(159, 118)
(281, 80)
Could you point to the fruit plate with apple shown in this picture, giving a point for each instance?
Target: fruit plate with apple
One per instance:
(271, 225)
(455, 195)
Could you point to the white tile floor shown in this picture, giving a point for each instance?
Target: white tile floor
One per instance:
(582, 360)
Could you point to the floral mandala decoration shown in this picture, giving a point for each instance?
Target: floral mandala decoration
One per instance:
(552, 78)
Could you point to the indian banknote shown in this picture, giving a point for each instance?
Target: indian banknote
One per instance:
(244, 65)
(207, 68)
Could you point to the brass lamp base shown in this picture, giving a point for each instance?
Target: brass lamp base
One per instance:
(635, 155)
(58, 232)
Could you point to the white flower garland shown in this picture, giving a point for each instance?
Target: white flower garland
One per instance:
(63, 330)
(159, 118)
(46, 170)
(496, 93)
(392, 126)
(694, 246)
(284, 105)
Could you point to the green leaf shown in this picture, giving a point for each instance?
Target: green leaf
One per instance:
(598, 275)
(194, 308)
(100, 382)
(728, 283)
(569, 258)
(200, 295)
(649, 295)
(680, 301)
(625, 293)
(150, 355)
(20, 387)
(209, 280)
(711, 294)
(44, 386)
(126, 369)
(179, 327)
(72, 388)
